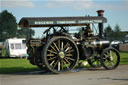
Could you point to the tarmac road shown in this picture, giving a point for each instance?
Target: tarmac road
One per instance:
(100, 76)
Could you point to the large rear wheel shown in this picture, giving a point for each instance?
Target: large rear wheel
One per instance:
(60, 54)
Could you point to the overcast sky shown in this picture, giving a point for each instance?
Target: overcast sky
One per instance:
(116, 11)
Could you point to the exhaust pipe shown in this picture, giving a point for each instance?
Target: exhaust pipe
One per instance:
(100, 25)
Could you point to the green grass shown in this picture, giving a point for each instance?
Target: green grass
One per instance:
(123, 58)
(16, 65)
(23, 65)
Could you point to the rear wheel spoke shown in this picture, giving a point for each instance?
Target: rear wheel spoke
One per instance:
(70, 51)
(67, 61)
(52, 52)
(66, 65)
(62, 64)
(50, 55)
(52, 63)
(59, 66)
(67, 49)
(59, 44)
(52, 58)
(55, 64)
(70, 58)
(62, 44)
(56, 46)
(67, 45)
(53, 48)
(69, 55)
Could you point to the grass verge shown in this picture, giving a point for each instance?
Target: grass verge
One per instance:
(16, 65)
(123, 58)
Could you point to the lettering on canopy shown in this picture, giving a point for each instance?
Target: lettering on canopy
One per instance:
(67, 22)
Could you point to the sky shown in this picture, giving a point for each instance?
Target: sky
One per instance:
(116, 11)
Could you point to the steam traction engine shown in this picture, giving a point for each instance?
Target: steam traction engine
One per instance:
(59, 52)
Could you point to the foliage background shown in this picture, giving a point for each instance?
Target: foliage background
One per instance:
(9, 27)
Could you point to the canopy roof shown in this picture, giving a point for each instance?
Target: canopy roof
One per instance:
(64, 21)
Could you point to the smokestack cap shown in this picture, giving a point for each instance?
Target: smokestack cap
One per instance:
(100, 12)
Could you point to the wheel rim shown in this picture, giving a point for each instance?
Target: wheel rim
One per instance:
(61, 55)
(110, 59)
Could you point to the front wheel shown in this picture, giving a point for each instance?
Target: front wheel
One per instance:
(110, 58)
(60, 54)
(95, 61)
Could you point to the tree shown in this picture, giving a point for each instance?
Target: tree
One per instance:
(25, 33)
(109, 32)
(117, 32)
(117, 28)
(108, 29)
(8, 25)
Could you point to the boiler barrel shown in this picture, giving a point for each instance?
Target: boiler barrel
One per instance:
(100, 44)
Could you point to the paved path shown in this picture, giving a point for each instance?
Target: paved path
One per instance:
(118, 76)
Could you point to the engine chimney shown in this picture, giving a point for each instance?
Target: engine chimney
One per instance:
(100, 25)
